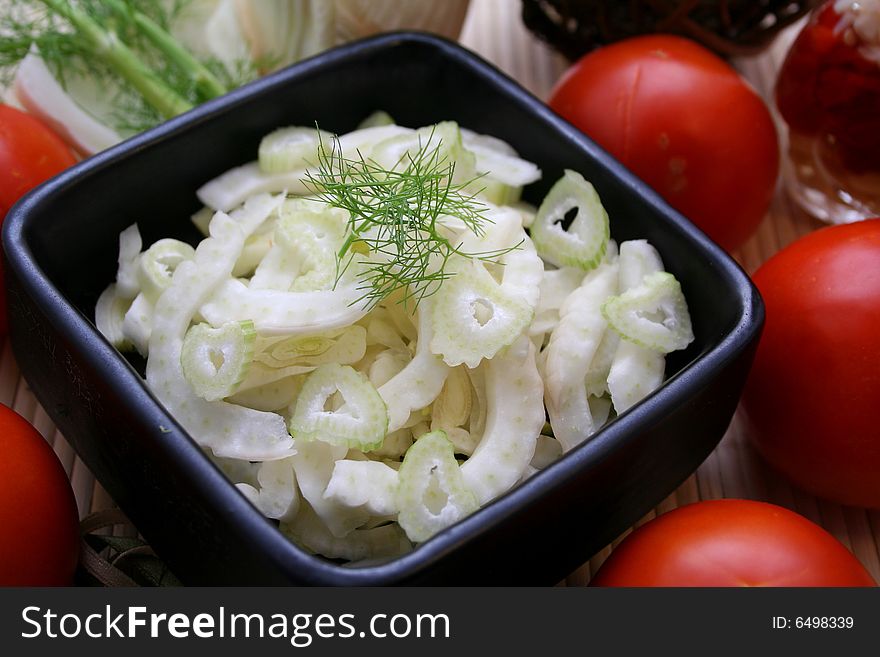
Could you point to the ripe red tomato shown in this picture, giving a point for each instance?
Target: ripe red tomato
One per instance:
(813, 396)
(39, 529)
(683, 121)
(30, 153)
(731, 543)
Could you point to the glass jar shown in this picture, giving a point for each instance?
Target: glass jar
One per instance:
(828, 93)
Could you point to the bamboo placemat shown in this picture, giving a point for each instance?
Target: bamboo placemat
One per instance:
(494, 29)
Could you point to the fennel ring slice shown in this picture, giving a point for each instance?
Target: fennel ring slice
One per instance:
(216, 360)
(653, 315)
(359, 423)
(571, 228)
(475, 317)
(431, 492)
(157, 265)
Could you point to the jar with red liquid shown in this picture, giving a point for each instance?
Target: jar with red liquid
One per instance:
(828, 93)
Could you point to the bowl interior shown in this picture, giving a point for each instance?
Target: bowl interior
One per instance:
(71, 226)
(154, 184)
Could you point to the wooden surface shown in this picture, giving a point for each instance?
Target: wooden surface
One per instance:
(733, 470)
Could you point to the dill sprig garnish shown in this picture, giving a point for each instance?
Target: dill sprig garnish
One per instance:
(399, 217)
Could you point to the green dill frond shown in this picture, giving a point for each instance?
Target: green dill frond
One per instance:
(24, 26)
(240, 73)
(398, 214)
(131, 114)
(161, 11)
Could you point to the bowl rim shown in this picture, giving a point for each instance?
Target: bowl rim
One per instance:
(262, 535)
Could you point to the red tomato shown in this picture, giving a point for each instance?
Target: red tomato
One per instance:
(683, 121)
(39, 529)
(731, 543)
(30, 153)
(813, 396)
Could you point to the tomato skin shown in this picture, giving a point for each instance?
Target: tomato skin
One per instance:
(812, 398)
(683, 121)
(731, 543)
(30, 153)
(39, 527)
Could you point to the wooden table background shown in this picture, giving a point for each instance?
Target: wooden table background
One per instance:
(494, 29)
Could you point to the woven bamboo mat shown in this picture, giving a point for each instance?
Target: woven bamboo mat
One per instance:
(733, 470)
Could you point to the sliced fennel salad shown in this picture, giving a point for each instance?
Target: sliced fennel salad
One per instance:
(376, 337)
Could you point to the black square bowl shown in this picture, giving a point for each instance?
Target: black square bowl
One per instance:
(61, 245)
